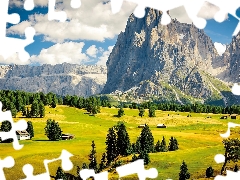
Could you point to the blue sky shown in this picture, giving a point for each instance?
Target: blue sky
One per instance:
(90, 32)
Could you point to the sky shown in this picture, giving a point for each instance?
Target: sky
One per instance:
(90, 32)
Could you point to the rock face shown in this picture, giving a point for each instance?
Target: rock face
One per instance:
(170, 62)
(230, 62)
(61, 79)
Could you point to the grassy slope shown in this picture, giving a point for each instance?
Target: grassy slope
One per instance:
(198, 138)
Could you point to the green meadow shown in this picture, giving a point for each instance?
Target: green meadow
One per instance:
(198, 137)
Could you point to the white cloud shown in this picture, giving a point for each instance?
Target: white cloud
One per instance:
(92, 21)
(70, 52)
(103, 59)
(220, 48)
(14, 59)
(92, 51)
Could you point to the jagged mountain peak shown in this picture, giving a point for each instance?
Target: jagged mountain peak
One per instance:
(177, 55)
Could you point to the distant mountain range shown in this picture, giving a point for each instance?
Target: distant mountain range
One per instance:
(61, 79)
(149, 61)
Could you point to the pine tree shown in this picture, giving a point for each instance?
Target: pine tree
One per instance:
(35, 109)
(84, 166)
(164, 145)
(209, 172)
(103, 165)
(92, 158)
(138, 147)
(60, 174)
(147, 140)
(13, 109)
(24, 113)
(145, 156)
(111, 143)
(184, 174)
(134, 157)
(30, 129)
(78, 172)
(53, 130)
(141, 111)
(28, 113)
(41, 109)
(120, 112)
(236, 168)
(151, 111)
(173, 144)
(158, 146)
(6, 126)
(123, 141)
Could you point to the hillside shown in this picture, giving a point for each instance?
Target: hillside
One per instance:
(198, 138)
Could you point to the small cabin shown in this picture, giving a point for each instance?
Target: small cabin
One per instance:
(23, 135)
(223, 117)
(67, 136)
(141, 126)
(161, 126)
(233, 116)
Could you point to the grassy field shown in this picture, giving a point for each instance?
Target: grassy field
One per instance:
(198, 138)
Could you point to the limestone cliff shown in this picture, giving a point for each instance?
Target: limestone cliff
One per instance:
(61, 79)
(170, 62)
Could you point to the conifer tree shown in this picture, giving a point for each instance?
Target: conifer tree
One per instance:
(134, 157)
(123, 141)
(145, 156)
(30, 129)
(28, 113)
(41, 109)
(120, 112)
(158, 146)
(60, 174)
(53, 130)
(78, 172)
(35, 109)
(138, 147)
(141, 111)
(147, 140)
(209, 172)
(6, 126)
(173, 144)
(92, 158)
(164, 145)
(236, 168)
(184, 174)
(151, 111)
(111, 143)
(24, 113)
(84, 166)
(103, 165)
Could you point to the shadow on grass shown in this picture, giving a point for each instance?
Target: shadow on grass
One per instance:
(41, 140)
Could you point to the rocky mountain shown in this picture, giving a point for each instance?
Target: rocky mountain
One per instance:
(229, 62)
(165, 63)
(61, 79)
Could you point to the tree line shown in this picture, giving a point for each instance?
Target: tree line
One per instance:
(196, 108)
(17, 101)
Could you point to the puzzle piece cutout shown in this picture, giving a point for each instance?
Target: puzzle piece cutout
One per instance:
(230, 176)
(192, 9)
(9, 46)
(20, 125)
(61, 16)
(236, 89)
(87, 173)
(8, 162)
(66, 165)
(137, 167)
